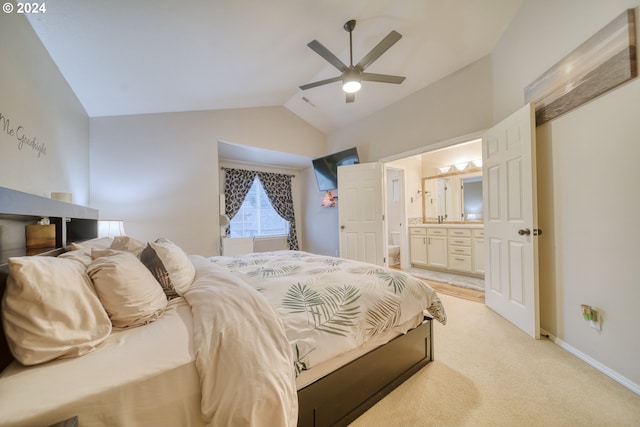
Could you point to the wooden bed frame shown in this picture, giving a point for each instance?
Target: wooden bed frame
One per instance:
(334, 400)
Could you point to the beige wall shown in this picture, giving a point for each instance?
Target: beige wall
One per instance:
(160, 172)
(456, 105)
(36, 103)
(587, 186)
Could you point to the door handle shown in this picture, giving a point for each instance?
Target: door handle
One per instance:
(524, 232)
(342, 227)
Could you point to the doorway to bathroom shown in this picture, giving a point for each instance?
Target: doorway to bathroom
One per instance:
(406, 197)
(395, 214)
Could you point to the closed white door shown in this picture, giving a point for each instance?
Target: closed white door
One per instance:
(360, 213)
(510, 220)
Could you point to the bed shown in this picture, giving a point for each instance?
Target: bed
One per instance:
(186, 363)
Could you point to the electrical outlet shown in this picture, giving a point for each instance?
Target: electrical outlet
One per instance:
(592, 316)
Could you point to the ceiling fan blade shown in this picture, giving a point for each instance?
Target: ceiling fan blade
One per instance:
(320, 83)
(382, 78)
(350, 97)
(377, 51)
(319, 48)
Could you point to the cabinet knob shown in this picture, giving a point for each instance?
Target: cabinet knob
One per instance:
(524, 232)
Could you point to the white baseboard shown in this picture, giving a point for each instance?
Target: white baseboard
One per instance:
(599, 366)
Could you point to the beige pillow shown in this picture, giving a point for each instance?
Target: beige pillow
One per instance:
(100, 242)
(51, 310)
(129, 244)
(170, 265)
(81, 255)
(126, 288)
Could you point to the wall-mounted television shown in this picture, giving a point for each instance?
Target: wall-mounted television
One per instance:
(326, 168)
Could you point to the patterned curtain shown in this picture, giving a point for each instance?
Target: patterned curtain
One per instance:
(278, 189)
(237, 183)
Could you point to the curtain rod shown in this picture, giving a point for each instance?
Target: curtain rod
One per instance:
(254, 170)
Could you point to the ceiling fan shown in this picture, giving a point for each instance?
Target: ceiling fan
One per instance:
(353, 75)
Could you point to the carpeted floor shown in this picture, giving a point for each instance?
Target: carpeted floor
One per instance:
(487, 372)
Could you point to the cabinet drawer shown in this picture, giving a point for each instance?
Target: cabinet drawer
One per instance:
(460, 262)
(460, 232)
(418, 230)
(436, 231)
(478, 232)
(460, 250)
(460, 241)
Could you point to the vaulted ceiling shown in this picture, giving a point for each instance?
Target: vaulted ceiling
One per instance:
(149, 56)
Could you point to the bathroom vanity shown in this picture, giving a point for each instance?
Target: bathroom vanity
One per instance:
(452, 247)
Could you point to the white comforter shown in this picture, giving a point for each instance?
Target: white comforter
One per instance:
(329, 305)
(242, 354)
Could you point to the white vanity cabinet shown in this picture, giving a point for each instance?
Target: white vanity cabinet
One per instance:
(460, 249)
(418, 246)
(437, 247)
(457, 248)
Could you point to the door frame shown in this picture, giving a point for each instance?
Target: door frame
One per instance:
(404, 244)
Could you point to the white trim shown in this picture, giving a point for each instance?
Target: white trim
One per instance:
(594, 363)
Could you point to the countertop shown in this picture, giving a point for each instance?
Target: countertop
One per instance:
(452, 224)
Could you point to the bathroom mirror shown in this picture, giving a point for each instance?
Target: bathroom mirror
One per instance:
(452, 198)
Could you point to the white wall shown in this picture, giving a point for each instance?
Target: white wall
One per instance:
(36, 103)
(160, 174)
(587, 185)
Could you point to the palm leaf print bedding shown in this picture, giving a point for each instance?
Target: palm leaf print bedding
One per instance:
(332, 305)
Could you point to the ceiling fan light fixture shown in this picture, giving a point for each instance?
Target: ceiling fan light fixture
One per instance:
(352, 75)
(351, 86)
(351, 81)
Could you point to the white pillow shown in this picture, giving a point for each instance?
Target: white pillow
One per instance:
(170, 265)
(126, 288)
(129, 244)
(51, 310)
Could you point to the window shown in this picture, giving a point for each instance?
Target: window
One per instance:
(257, 217)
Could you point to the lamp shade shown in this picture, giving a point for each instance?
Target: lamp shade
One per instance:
(110, 228)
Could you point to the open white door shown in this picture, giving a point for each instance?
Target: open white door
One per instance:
(510, 220)
(360, 212)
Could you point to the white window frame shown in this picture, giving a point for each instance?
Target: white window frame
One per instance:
(257, 193)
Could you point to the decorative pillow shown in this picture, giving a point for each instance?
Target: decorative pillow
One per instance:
(170, 265)
(51, 310)
(129, 244)
(100, 242)
(126, 288)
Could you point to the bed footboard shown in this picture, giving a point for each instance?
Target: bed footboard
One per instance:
(340, 397)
